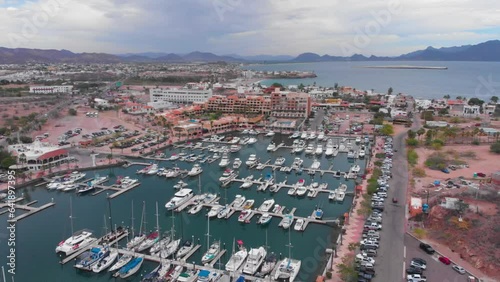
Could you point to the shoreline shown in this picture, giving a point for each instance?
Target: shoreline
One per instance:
(404, 67)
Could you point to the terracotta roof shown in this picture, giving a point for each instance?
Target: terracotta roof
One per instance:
(53, 154)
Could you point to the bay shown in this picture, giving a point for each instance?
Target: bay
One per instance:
(469, 79)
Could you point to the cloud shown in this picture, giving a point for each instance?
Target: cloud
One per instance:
(248, 27)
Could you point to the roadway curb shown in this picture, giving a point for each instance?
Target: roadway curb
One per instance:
(467, 272)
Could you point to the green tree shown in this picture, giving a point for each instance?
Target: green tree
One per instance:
(7, 162)
(495, 147)
(494, 99)
(420, 132)
(411, 134)
(387, 129)
(446, 96)
(389, 91)
(72, 112)
(475, 102)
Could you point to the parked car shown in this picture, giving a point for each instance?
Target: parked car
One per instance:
(427, 248)
(414, 270)
(445, 260)
(445, 170)
(458, 269)
(480, 174)
(418, 265)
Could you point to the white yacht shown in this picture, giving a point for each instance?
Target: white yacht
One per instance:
(295, 135)
(79, 240)
(181, 184)
(152, 170)
(245, 215)
(214, 211)
(247, 183)
(224, 212)
(316, 164)
(279, 161)
(170, 249)
(244, 141)
(234, 148)
(319, 150)
(270, 134)
(227, 175)
(238, 201)
(301, 191)
(174, 172)
(321, 136)
(287, 221)
(75, 176)
(255, 259)
(297, 162)
(350, 154)
(212, 252)
(358, 140)
(235, 140)
(310, 149)
(312, 136)
(237, 163)
(299, 225)
(252, 160)
(271, 146)
(340, 196)
(195, 170)
(237, 259)
(355, 168)
(224, 161)
(251, 141)
(187, 246)
(329, 150)
(266, 205)
(303, 135)
(181, 197)
(362, 153)
(287, 270)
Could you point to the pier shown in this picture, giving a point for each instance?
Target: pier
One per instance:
(27, 207)
(118, 190)
(95, 244)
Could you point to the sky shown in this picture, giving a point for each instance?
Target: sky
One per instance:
(247, 27)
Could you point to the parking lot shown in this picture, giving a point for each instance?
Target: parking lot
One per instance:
(435, 270)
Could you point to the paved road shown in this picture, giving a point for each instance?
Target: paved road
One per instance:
(389, 266)
(436, 270)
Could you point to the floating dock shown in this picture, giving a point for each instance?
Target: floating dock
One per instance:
(27, 207)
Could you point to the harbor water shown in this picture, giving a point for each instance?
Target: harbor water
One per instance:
(38, 235)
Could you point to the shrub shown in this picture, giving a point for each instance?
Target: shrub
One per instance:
(495, 148)
(436, 146)
(328, 275)
(380, 156)
(476, 142)
(412, 142)
(378, 163)
(436, 161)
(419, 233)
(412, 157)
(455, 120)
(419, 172)
(468, 154)
(387, 129)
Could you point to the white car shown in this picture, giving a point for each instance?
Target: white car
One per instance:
(458, 269)
(418, 264)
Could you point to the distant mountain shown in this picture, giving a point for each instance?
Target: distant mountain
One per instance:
(487, 51)
(23, 55)
(263, 58)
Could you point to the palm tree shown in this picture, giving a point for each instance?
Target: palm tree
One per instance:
(109, 157)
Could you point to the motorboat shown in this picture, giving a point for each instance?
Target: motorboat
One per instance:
(342, 187)
(234, 148)
(245, 131)
(127, 181)
(235, 140)
(332, 195)
(268, 264)
(271, 146)
(79, 240)
(310, 149)
(279, 161)
(248, 204)
(224, 161)
(181, 197)
(130, 268)
(287, 270)
(355, 168)
(170, 249)
(319, 149)
(75, 176)
(362, 153)
(299, 225)
(187, 246)
(252, 160)
(181, 184)
(228, 174)
(266, 205)
(214, 211)
(124, 259)
(244, 141)
(270, 134)
(195, 170)
(238, 201)
(195, 209)
(247, 183)
(174, 172)
(329, 150)
(295, 135)
(237, 259)
(358, 140)
(340, 196)
(86, 260)
(287, 221)
(106, 261)
(212, 252)
(85, 188)
(303, 135)
(245, 215)
(277, 208)
(224, 212)
(209, 198)
(292, 190)
(174, 157)
(264, 219)
(301, 191)
(237, 163)
(321, 136)
(315, 165)
(318, 213)
(255, 259)
(152, 170)
(297, 162)
(68, 187)
(251, 141)
(350, 154)
(216, 138)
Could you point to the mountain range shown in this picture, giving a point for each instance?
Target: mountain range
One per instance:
(486, 51)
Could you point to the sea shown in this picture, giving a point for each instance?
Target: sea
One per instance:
(37, 236)
(466, 79)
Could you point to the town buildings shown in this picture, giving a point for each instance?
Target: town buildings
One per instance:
(188, 94)
(51, 89)
(235, 104)
(37, 155)
(290, 104)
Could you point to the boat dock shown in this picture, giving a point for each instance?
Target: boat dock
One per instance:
(118, 190)
(95, 244)
(283, 217)
(27, 207)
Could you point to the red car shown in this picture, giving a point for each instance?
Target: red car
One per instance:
(445, 260)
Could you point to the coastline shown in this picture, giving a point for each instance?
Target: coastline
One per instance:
(404, 67)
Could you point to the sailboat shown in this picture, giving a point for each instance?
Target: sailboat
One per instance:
(115, 232)
(152, 238)
(213, 250)
(78, 240)
(269, 262)
(237, 258)
(136, 240)
(288, 268)
(172, 247)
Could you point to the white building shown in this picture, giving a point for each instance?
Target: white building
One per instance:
(181, 95)
(471, 110)
(51, 89)
(37, 155)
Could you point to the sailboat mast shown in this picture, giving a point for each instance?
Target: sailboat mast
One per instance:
(143, 220)
(71, 215)
(133, 234)
(199, 183)
(157, 221)
(110, 217)
(173, 226)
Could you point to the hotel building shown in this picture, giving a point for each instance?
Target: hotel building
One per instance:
(51, 89)
(235, 104)
(181, 95)
(37, 155)
(290, 104)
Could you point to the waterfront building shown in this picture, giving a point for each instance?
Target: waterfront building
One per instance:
(37, 155)
(137, 109)
(290, 104)
(188, 129)
(230, 123)
(235, 104)
(51, 89)
(187, 94)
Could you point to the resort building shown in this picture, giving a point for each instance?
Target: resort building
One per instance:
(290, 104)
(230, 123)
(137, 109)
(51, 89)
(37, 156)
(180, 95)
(188, 129)
(235, 104)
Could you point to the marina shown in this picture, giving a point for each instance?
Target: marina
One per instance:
(270, 173)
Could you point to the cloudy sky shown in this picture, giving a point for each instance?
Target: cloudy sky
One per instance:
(247, 27)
